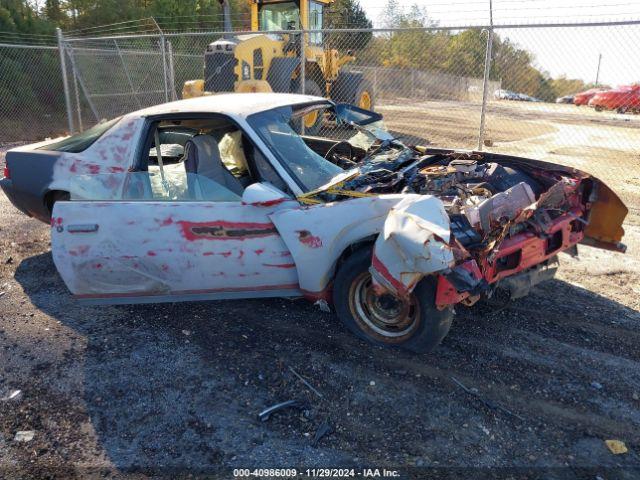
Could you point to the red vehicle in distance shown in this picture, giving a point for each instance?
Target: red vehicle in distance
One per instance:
(583, 98)
(622, 99)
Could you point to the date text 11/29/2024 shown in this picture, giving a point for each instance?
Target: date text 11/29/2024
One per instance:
(315, 473)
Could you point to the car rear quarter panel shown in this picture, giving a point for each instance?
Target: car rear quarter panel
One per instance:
(113, 152)
(31, 177)
(36, 171)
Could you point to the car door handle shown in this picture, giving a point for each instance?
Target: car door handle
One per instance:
(83, 228)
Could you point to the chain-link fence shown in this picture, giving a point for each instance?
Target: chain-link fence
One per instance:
(519, 89)
(31, 93)
(117, 76)
(593, 126)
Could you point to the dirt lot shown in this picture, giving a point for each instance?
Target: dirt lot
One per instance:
(165, 389)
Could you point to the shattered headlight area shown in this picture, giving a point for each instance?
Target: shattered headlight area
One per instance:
(504, 217)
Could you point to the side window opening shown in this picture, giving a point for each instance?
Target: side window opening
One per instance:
(196, 158)
(201, 159)
(172, 140)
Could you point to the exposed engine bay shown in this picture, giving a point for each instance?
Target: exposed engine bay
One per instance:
(480, 198)
(506, 215)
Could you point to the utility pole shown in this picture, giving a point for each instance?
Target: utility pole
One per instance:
(598, 70)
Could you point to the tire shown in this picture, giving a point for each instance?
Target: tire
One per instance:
(310, 88)
(350, 88)
(419, 330)
(55, 196)
(363, 97)
(598, 108)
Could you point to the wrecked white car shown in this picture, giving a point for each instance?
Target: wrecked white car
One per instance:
(222, 197)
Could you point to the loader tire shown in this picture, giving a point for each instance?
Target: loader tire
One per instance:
(364, 96)
(313, 121)
(414, 324)
(353, 88)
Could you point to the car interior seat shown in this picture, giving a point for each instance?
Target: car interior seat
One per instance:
(202, 156)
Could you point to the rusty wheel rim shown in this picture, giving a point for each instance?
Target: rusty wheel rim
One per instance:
(385, 316)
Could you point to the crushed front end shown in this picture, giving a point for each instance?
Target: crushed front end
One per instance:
(508, 218)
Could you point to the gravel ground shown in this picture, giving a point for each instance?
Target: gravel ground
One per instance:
(145, 391)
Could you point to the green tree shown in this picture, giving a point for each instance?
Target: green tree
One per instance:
(347, 14)
(465, 53)
(19, 16)
(422, 49)
(53, 12)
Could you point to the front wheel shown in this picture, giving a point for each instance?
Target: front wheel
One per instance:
(414, 324)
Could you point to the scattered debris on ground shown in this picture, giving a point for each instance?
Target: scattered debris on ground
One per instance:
(264, 415)
(616, 446)
(24, 436)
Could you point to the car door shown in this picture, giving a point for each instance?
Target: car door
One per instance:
(194, 241)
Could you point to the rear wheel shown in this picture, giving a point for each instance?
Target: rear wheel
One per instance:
(313, 121)
(414, 323)
(364, 96)
(55, 196)
(353, 88)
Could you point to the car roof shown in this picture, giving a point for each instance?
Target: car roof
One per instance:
(234, 104)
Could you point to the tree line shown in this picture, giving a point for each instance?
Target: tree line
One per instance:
(460, 53)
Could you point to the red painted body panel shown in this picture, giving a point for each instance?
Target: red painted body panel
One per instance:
(534, 249)
(446, 293)
(523, 251)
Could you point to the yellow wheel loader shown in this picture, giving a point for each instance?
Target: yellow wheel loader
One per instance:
(271, 62)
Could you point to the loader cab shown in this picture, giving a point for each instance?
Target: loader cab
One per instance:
(275, 16)
(269, 16)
